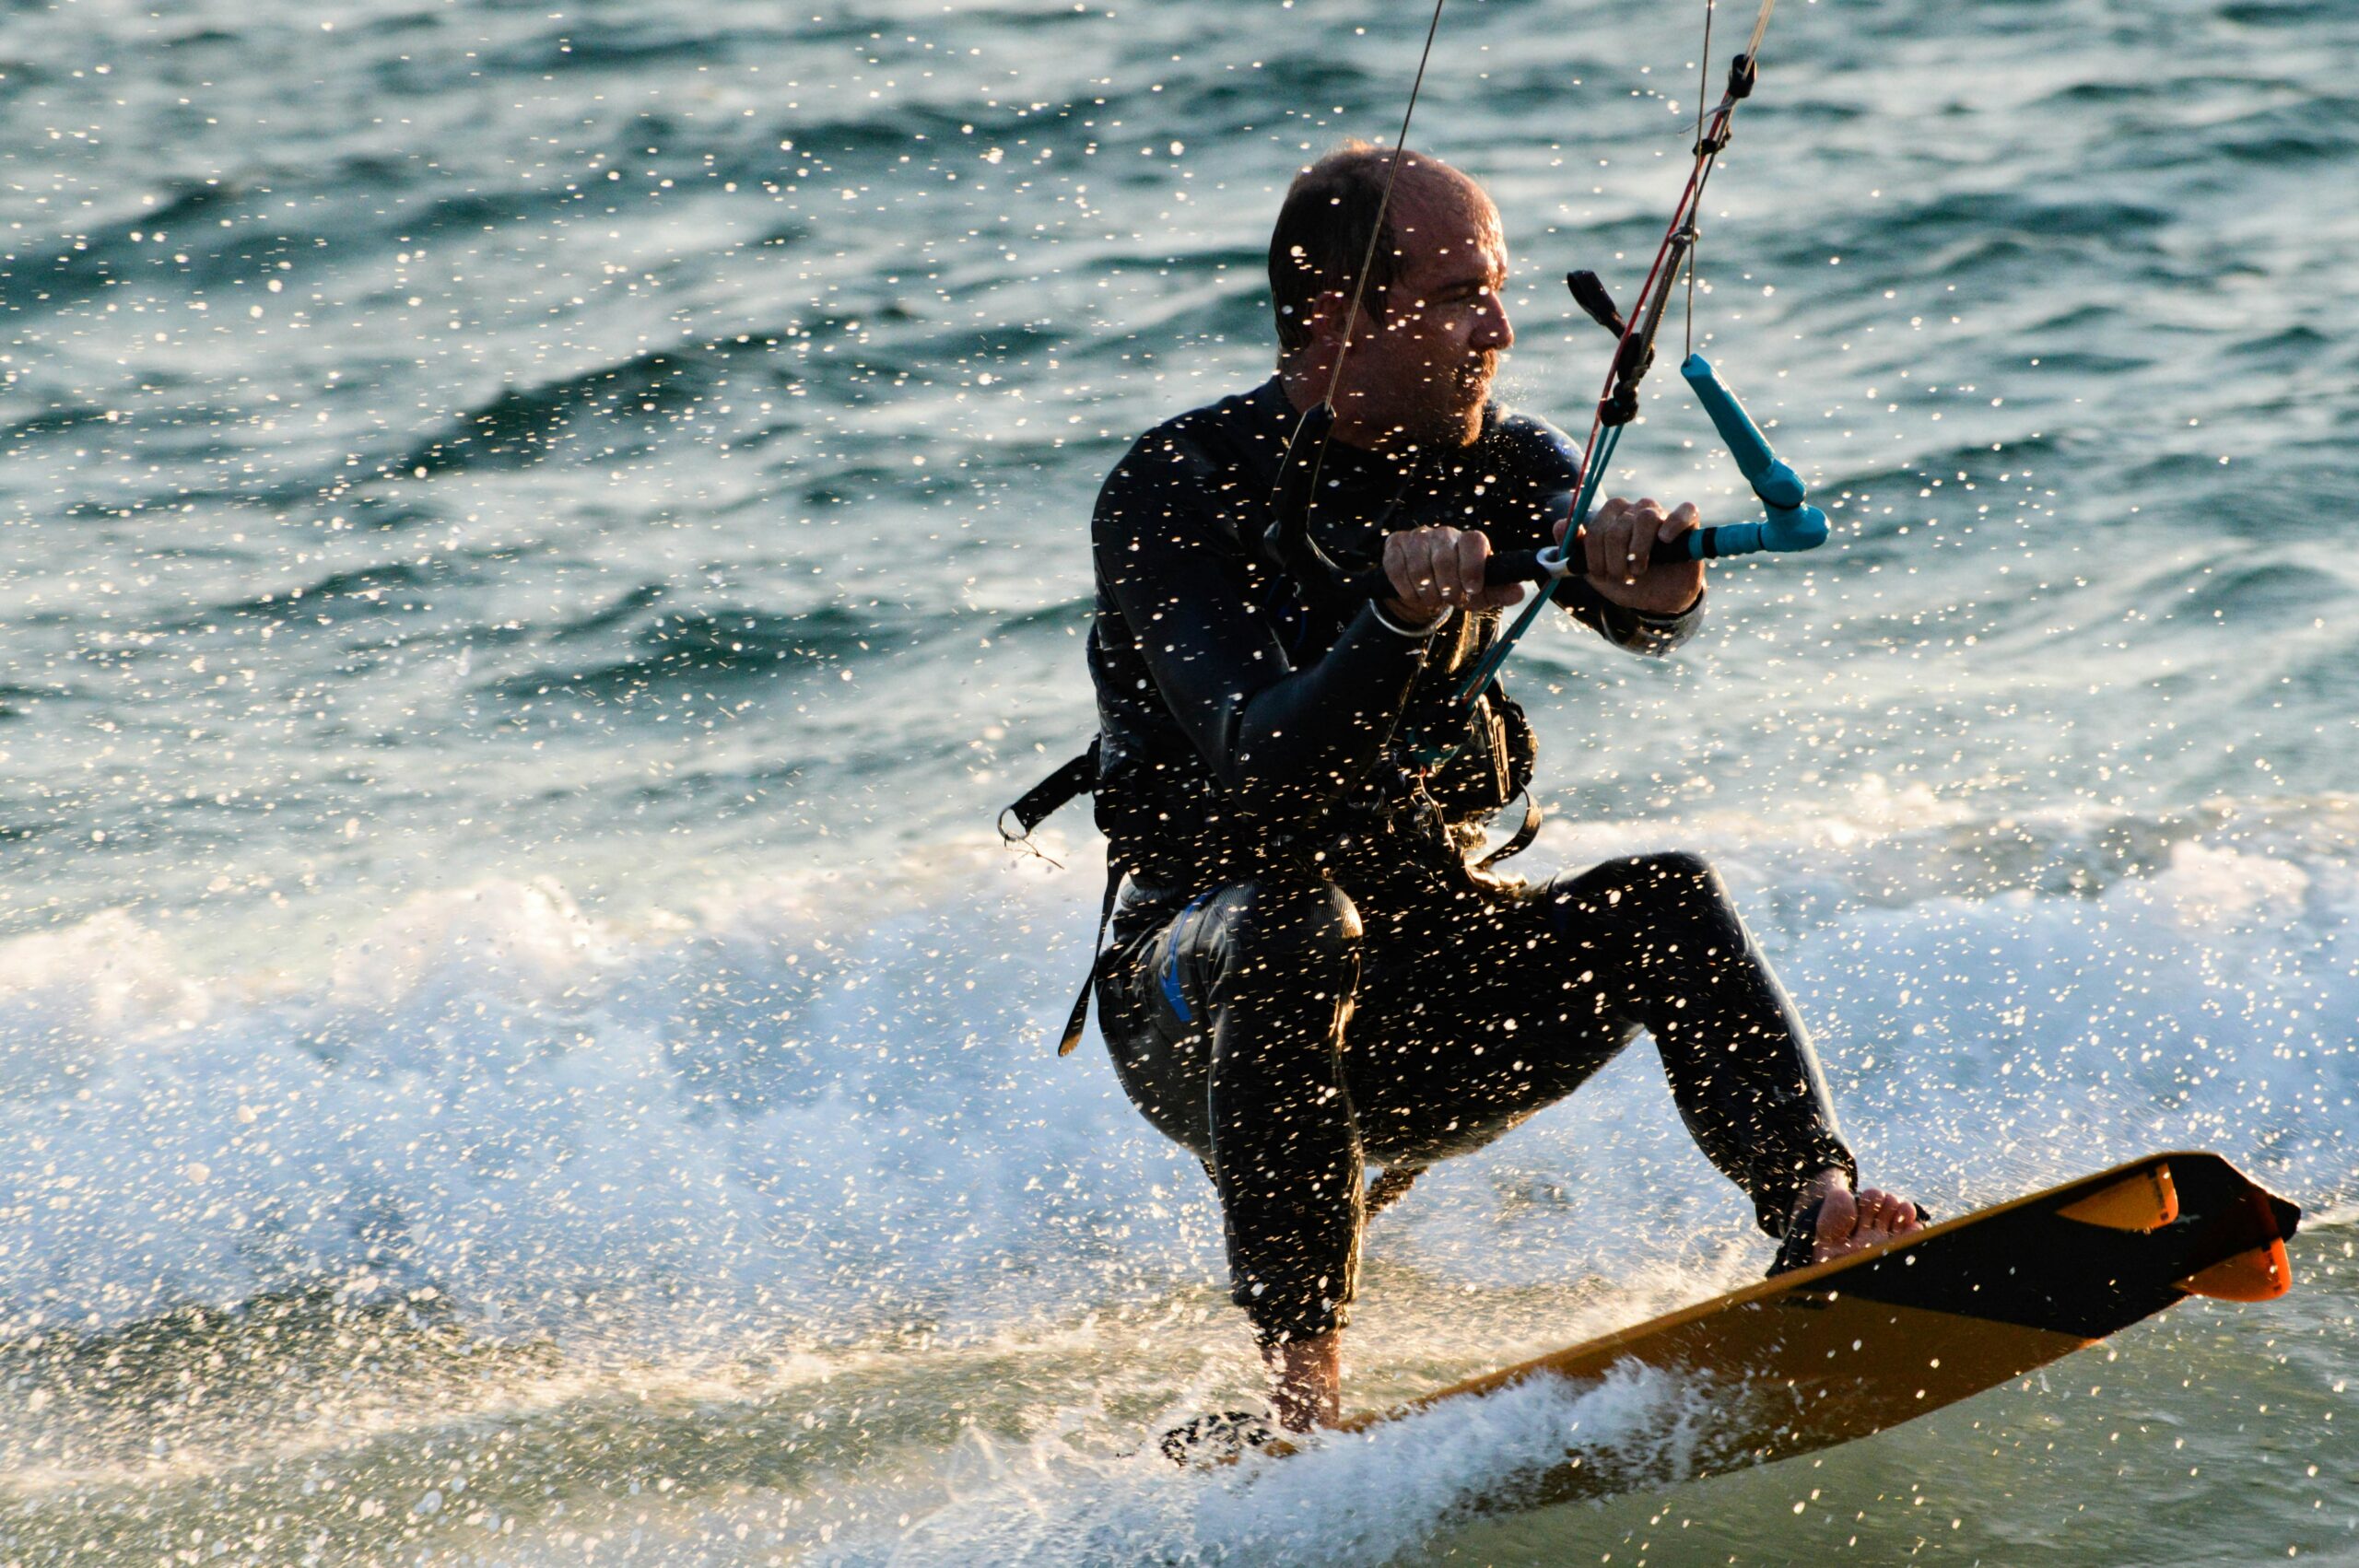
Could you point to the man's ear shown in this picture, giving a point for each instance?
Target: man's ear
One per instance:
(1327, 312)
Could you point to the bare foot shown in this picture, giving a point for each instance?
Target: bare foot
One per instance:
(1306, 1381)
(1852, 1221)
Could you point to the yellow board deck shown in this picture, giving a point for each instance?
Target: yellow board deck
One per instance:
(1843, 1350)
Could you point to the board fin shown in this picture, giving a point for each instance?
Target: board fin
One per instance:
(2147, 1200)
(2262, 1274)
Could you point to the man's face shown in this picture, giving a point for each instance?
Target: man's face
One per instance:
(1421, 370)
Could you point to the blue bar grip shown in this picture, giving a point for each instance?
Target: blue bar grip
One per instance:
(1806, 530)
(1791, 524)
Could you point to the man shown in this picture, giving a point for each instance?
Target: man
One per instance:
(1307, 973)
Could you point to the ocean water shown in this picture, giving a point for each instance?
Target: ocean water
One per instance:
(535, 539)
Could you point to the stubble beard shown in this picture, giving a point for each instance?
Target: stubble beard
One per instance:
(1451, 414)
(1470, 388)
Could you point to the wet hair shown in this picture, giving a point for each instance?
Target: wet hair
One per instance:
(1323, 234)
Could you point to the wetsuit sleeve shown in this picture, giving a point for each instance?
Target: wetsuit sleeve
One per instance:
(1297, 736)
(1652, 636)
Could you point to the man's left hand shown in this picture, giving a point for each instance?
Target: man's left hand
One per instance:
(1617, 540)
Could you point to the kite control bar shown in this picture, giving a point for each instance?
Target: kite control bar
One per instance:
(1791, 522)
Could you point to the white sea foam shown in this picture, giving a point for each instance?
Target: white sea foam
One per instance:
(1358, 1498)
(779, 1109)
(504, 1097)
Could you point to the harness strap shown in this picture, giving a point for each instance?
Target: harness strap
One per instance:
(1034, 807)
(1080, 1013)
(1037, 804)
(1523, 839)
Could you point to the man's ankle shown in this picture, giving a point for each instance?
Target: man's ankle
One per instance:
(1305, 1380)
(1819, 1186)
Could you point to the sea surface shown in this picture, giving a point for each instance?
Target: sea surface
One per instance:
(534, 540)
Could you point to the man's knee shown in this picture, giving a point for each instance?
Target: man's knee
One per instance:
(1658, 881)
(1681, 873)
(1645, 909)
(1302, 934)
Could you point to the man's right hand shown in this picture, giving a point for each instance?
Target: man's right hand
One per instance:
(1436, 570)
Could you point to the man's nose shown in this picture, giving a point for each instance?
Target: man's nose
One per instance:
(1494, 331)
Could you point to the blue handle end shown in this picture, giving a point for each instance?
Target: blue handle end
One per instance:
(1783, 531)
(1738, 432)
(1793, 528)
(1791, 524)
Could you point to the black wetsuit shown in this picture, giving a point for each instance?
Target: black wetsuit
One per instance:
(1307, 973)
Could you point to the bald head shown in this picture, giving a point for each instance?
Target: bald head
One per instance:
(1333, 209)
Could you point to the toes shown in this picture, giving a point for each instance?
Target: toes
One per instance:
(1888, 1213)
(1851, 1221)
(1879, 1214)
